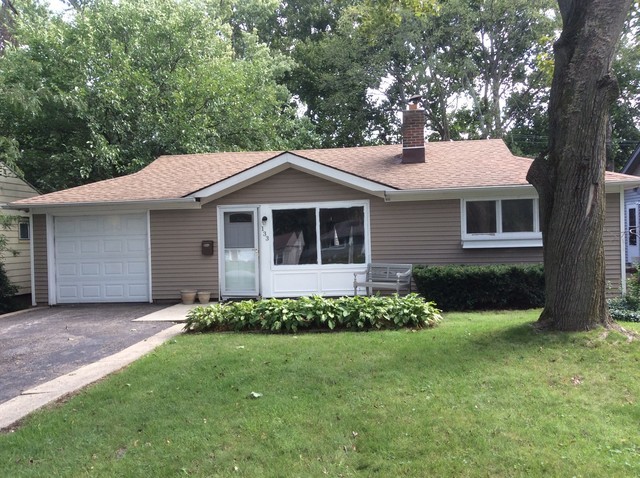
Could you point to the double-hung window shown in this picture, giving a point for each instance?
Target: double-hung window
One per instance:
(501, 223)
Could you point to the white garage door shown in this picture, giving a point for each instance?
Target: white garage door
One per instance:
(101, 258)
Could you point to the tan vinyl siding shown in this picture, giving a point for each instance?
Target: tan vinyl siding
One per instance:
(177, 262)
(428, 232)
(18, 267)
(292, 186)
(421, 232)
(41, 272)
(176, 236)
(612, 246)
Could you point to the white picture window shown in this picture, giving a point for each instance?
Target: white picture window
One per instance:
(501, 223)
(320, 235)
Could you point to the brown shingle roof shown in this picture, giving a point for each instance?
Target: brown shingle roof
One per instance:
(449, 165)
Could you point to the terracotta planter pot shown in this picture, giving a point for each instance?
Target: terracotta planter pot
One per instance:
(188, 296)
(204, 296)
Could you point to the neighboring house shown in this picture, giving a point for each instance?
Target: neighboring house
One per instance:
(18, 267)
(282, 224)
(632, 211)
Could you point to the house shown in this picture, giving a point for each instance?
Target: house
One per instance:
(282, 224)
(632, 211)
(18, 267)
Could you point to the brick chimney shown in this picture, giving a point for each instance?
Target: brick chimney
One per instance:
(413, 132)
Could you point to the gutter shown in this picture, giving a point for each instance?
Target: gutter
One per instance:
(457, 193)
(151, 204)
(490, 192)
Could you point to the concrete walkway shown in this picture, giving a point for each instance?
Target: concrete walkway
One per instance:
(30, 400)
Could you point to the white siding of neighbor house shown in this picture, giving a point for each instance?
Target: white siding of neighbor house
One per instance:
(18, 267)
(631, 197)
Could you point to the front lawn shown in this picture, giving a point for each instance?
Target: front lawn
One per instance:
(479, 395)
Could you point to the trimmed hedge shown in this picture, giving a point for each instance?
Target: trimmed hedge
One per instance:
(290, 315)
(462, 287)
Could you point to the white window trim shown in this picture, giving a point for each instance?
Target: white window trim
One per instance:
(500, 239)
(24, 221)
(317, 206)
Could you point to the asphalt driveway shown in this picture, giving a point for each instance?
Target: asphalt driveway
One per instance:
(41, 344)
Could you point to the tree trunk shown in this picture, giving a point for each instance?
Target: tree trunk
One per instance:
(570, 180)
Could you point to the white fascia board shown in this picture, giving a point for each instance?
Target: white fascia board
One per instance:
(490, 192)
(614, 186)
(281, 163)
(115, 206)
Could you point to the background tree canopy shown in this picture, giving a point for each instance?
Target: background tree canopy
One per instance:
(104, 93)
(104, 88)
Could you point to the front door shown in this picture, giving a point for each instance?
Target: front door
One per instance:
(239, 272)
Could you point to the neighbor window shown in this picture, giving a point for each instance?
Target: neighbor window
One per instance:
(23, 231)
(319, 235)
(501, 223)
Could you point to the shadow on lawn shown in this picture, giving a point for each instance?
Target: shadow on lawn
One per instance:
(477, 349)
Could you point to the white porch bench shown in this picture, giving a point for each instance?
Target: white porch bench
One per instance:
(383, 276)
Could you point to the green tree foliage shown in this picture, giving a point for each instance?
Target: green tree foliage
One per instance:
(625, 113)
(7, 289)
(127, 81)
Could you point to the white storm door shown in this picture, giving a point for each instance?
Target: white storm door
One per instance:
(101, 258)
(239, 265)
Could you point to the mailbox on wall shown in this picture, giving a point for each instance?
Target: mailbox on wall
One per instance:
(207, 248)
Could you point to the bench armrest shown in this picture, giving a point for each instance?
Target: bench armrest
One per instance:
(359, 273)
(403, 274)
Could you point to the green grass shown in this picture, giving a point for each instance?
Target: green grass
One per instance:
(480, 395)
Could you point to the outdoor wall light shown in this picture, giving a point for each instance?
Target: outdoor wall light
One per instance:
(264, 220)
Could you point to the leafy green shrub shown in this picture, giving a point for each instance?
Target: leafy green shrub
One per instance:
(7, 291)
(291, 315)
(625, 308)
(501, 286)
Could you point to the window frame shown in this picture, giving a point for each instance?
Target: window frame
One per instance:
(317, 206)
(500, 239)
(24, 222)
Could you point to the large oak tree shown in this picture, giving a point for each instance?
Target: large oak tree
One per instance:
(570, 178)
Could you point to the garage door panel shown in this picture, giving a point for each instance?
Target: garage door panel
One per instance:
(89, 226)
(111, 246)
(91, 293)
(137, 245)
(68, 293)
(102, 258)
(138, 290)
(114, 268)
(66, 247)
(137, 268)
(136, 226)
(67, 270)
(91, 246)
(65, 226)
(89, 269)
(114, 291)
